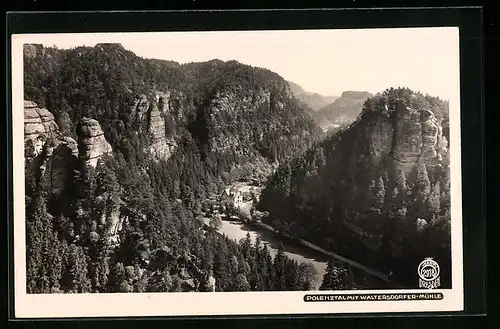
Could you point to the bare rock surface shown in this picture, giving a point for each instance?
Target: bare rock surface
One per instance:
(39, 125)
(92, 144)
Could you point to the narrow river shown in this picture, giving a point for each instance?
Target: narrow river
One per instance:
(237, 230)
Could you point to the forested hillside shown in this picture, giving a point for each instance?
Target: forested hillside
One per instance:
(121, 153)
(377, 191)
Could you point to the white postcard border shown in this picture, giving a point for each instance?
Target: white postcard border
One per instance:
(212, 303)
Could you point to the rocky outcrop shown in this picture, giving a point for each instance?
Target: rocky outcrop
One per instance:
(39, 126)
(113, 221)
(407, 136)
(57, 154)
(150, 117)
(92, 144)
(161, 145)
(62, 158)
(390, 155)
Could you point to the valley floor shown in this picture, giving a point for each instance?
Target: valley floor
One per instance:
(237, 228)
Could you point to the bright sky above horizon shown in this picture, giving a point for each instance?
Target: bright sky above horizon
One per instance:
(323, 61)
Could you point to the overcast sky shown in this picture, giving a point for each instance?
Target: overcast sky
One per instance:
(323, 61)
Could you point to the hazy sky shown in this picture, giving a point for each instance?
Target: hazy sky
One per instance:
(323, 61)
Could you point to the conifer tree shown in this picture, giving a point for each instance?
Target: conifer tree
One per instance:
(43, 250)
(434, 199)
(292, 275)
(117, 277)
(267, 269)
(279, 270)
(241, 283)
(75, 276)
(307, 272)
(423, 188)
(336, 277)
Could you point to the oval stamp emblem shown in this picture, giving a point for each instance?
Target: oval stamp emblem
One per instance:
(428, 272)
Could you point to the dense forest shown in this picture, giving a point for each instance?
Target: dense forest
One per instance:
(134, 222)
(226, 118)
(381, 212)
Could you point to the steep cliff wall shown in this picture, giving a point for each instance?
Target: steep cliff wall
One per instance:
(91, 141)
(405, 136)
(151, 117)
(45, 147)
(162, 146)
(39, 125)
(140, 108)
(390, 149)
(261, 122)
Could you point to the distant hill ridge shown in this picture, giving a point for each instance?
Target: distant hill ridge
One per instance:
(343, 110)
(314, 100)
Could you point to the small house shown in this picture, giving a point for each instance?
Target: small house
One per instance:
(232, 196)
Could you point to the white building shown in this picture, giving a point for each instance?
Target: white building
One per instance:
(233, 196)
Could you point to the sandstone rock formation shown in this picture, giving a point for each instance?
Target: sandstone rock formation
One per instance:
(43, 139)
(408, 136)
(92, 144)
(39, 125)
(161, 145)
(150, 117)
(61, 159)
(390, 149)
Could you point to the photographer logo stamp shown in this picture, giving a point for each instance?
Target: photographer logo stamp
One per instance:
(428, 272)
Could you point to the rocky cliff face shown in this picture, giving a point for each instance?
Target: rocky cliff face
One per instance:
(55, 154)
(61, 157)
(151, 117)
(406, 136)
(39, 126)
(396, 154)
(162, 146)
(42, 135)
(91, 141)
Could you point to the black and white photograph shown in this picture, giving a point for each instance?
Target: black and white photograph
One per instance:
(234, 170)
